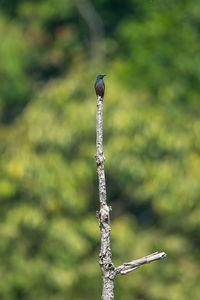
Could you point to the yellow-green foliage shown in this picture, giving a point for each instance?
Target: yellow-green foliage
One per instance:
(49, 235)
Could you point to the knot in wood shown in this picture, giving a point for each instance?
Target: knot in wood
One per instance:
(99, 159)
(104, 213)
(112, 274)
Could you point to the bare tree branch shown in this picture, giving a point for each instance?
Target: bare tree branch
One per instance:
(108, 270)
(107, 267)
(134, 264)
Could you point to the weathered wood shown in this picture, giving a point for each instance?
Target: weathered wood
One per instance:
(108, 270)
(107, 267)
(134, 264)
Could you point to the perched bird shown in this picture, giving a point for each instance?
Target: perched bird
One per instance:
(99, 85)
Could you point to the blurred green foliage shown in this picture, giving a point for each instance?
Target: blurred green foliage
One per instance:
(49, 236)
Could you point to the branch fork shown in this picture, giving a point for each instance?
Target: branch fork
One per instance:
(108, 270)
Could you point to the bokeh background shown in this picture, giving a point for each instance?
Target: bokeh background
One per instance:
(50, 54)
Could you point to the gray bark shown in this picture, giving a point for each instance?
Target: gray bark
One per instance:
(134, 264)
(106, 265)
(108, 270)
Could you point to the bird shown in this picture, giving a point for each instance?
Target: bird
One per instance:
(100, 85)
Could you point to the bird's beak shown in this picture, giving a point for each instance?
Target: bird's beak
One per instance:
(104, 74)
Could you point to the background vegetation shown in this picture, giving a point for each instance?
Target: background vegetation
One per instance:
(49, 236)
